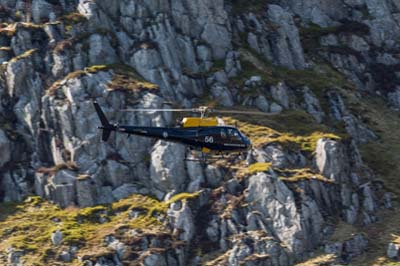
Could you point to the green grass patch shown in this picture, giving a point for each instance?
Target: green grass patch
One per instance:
(244, 6)
(124, 78)
(26, 54)
(293, 128)
(28, 226)
(73, 18)
(296, 175)
(310, 35)
(10, 30)
(217, 66)
(383, 155)
(258, 167)
(319, 78)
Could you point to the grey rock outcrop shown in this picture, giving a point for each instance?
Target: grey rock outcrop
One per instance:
(313, 106)
(330, 159)
(5, 149)
(182, 221)
(196, 51)
(167, 170)
(280, 43)
(260, 190)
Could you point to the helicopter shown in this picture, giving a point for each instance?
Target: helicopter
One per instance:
(198, 133)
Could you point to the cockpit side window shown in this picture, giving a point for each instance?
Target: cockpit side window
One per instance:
(234, 134)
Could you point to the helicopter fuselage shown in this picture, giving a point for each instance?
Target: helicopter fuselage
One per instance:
(219, 138)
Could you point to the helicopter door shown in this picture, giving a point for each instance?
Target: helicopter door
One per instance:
(207, 136)
(197, 136)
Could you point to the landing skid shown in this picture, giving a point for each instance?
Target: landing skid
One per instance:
(203, 160)
(205, 157)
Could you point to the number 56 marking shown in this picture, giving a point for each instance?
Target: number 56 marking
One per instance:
(209, 139)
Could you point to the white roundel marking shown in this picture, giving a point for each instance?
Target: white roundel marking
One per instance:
(165, 134)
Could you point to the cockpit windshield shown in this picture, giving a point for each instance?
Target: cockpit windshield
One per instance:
(234, 134)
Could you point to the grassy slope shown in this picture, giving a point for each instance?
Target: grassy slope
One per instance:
(28, 226)
(383, 157)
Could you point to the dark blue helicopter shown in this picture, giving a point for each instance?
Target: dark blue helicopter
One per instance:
(199, 133)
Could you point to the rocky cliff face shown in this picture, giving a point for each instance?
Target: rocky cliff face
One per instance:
(315, 185)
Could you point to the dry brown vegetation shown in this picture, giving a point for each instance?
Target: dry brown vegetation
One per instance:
(28, 226)
(124, 78)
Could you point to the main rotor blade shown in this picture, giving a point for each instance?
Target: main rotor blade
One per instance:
(159, 110)
(241, 112)
(198, 110)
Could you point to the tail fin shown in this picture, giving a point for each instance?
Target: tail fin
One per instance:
(105, 125)
(105, 135)
(102, 117)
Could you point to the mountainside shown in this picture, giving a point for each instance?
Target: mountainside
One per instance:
(319, 186)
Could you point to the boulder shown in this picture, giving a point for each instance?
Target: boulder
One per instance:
(57, 237)
(254, 81)
(276, 108)
(116, 245)
(280, 94)
(117, 173)
(355, 246)
(64, 195)
(262, 103)
(393, 250)
(86, 191)
(223, 95)
(105, 195)
(65, 256)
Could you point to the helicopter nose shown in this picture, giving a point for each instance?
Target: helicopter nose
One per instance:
(249, 146)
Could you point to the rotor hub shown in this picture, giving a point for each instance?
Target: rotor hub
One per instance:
(204, 111)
